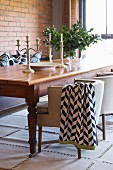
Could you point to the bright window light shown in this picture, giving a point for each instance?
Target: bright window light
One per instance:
(99, 16)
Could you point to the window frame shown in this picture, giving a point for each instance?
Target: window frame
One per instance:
(82, 17)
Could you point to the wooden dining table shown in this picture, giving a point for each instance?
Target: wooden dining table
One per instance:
(14, 82)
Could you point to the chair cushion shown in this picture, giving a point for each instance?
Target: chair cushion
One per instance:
(42, 107)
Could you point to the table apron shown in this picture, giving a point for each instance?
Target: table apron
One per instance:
(19, 91)
(63, 81)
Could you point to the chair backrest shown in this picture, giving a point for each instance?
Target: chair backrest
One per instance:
(99, 90)
(104, 74)
(49, 115)
(54, 98)
(107, 103)
(54, 104)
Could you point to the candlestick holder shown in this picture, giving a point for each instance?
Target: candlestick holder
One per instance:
(50, 49)
(18, 44)
(27, 49)
(50, 56)
(38, 44)
(61, 54)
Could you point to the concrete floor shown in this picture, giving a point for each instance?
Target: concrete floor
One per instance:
(14, 148)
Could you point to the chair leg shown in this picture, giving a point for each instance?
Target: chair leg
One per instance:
(103, 126)
(79, 153)
(96, 138)
(39, 138)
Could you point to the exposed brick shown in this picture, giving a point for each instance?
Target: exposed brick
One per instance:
(12, 34)
(2, 39)
(2, 18)
(19, 17)
(25, 1)
(3, 34)
(8, 18)
(1, 50)
(12, 24)
(9, 8)
(8, 48)
(12, 3)
(8, 29)
(20, 5)
(4, 2)
(2, 7)
(25, 10)
(17, 29)
(4, 44)
(9, 39)
(19, 34)
(18, 9)
(5, 23)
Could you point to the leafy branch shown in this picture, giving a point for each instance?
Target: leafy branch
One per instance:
(77, 37)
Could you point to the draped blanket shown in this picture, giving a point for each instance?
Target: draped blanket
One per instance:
(78, 124)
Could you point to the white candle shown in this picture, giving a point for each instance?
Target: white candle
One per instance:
(49, 37)
(61, 37)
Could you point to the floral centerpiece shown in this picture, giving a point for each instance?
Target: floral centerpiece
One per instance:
(77, 37)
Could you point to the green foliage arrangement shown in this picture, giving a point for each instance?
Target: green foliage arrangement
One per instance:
(77, 37)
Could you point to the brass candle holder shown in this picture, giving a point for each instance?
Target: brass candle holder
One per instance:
(28, 69)
(62, 52)
(18, 44)
(50, 56)
(50, 49)
(38, 44)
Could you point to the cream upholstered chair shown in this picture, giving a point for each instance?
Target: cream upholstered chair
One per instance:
(99, 90)
(48, 113)
(107, 103)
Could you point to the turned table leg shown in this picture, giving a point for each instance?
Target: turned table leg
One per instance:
(32, 128)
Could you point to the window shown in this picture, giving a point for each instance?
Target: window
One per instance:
(98, 14)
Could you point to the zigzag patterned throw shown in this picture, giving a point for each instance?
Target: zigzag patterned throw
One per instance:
(78, 124)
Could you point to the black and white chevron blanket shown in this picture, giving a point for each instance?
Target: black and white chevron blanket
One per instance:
(78, 124)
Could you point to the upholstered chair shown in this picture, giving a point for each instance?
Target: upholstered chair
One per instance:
(99, 90)
(107, 103)
(48, 113)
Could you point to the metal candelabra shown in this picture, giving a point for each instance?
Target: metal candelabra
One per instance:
(28, 69)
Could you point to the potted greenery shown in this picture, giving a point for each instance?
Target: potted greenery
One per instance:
(77, 37)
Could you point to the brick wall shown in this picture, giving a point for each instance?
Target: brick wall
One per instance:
(66, 13)
(21, 17)
(74, 11)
